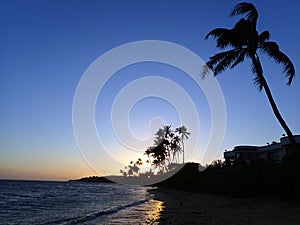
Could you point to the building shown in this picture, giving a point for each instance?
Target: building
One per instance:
(246, 154)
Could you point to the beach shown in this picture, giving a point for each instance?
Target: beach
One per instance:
(196, 208)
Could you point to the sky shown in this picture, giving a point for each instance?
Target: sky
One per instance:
(48, 46)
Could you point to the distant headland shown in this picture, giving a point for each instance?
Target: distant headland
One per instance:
(93, 179)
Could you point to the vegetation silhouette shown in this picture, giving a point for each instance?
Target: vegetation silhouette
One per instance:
(95, 179)
(163, 156)
(246, 42)
(184, 134)
(260, 179)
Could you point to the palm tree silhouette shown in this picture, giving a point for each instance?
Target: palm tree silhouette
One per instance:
(245, 42)
(184, 134)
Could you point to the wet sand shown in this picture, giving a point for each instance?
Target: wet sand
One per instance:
(203, 209)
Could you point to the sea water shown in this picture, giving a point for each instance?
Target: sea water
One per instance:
(41, 202)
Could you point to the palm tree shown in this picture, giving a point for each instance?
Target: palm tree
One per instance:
(184, 134)
(245, 42)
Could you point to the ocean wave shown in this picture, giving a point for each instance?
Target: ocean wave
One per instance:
(94, 215)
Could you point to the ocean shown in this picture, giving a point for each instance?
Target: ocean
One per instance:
(43, 202)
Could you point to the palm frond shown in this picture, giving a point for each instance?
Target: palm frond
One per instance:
(208, 66)
(264, 36)
(240, 59)
(223, 36)
(272, 49)
(221, 61)
(216, 33)
(248, 9)
(215, 59)
(242, 24)
(257, 71)
(205, 71)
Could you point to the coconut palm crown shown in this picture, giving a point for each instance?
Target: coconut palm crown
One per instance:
(245, 42)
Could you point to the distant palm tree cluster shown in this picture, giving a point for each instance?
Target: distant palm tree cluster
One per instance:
(164, 155)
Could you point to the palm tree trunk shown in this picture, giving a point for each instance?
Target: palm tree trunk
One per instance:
(276, 112)
(182, 152)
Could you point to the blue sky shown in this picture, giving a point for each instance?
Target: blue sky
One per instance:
(46, 46)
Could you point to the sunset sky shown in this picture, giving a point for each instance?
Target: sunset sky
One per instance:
(46, 47)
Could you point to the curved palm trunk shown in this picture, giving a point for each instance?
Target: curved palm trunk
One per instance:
(276, 112)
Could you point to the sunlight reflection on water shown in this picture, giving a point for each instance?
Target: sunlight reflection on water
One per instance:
(155, 213)
(146, 213)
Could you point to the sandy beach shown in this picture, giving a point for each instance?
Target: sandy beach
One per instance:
(193, 208)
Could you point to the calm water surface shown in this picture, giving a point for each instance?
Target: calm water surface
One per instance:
(36, 202)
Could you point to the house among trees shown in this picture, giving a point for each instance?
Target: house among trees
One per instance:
(273, 152)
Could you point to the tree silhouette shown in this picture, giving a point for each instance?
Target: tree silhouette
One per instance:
(166, 150)
(184, 134)
(132, 169)
(245, 42)
(162, 150)
(163, 155)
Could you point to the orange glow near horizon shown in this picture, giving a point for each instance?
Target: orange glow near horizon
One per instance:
(46, 171)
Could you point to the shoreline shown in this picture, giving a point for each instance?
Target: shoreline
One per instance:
(182, 207)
